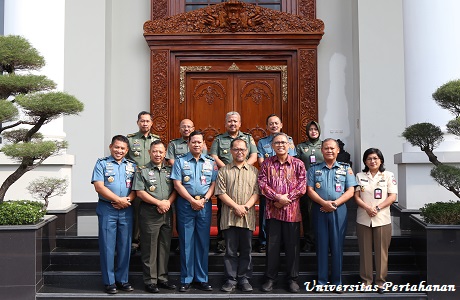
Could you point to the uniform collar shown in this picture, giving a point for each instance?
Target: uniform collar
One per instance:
(151, 165)
(141, 135)
(239, 134)
(189, 156)
(112, 159)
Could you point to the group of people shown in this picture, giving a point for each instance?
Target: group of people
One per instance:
(298, 185)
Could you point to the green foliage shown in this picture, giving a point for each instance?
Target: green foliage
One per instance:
(33, 150)
(44, 188)
(447, 176)
(49, 105)
(33, 96)
(19, 135)
(453, 126)
(445, 213)
(13, 84)
(18, 54)
(448, 96)
(8, 112)
(21, 212)
(424, 135)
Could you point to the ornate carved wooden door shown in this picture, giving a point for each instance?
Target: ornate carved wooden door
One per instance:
(255, 95)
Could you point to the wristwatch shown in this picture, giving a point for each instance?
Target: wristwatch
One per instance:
(377, 208)
(206, 199)
(246, 208)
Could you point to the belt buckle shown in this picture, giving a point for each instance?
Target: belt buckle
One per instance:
(197, 197)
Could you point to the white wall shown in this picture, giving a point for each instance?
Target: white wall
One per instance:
(381, 72)
(107, 67)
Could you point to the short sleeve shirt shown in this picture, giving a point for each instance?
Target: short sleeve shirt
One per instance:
(178, 147)
(331, 183)
(386, 183)
(155, 180)
(139, 146)
(309, 153)
(221, 146)
(117, 177)
(196, 176)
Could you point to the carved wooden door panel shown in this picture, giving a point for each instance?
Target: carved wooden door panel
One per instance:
(210, 96)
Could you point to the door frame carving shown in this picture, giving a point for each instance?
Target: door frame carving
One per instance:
(185, 42)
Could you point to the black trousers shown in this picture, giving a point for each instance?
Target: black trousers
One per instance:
(286, 233)
(307, 220)
(237, 268)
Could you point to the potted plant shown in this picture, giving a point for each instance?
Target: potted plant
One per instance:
(436, 231)
(27, 102)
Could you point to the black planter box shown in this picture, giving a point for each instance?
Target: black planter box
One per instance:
(438, 256)
(24, 255)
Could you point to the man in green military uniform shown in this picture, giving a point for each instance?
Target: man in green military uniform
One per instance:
(310, 153)
(179, 146)
(153, 185)
(220, 151)
(139, 145)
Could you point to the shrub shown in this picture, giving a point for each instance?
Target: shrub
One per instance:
(445, 213)
(21, 212)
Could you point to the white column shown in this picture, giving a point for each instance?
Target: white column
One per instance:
(432, 44)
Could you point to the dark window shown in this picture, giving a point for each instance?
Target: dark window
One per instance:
(196, 4)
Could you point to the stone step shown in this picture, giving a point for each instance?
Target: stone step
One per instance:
(87, 285)
(89, 260)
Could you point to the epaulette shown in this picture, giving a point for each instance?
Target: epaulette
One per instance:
(265, 137)
(209, 157)
(131, 135)
(130, 160)
(181, 155)
(174, 140)
(155, 135)
(103, 158)
(343, 163)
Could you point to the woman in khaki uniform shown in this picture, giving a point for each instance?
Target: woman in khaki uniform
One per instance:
(376, 192)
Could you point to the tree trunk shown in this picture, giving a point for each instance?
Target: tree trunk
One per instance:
(26, 165)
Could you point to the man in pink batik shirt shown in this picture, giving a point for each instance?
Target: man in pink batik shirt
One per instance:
(282, 180)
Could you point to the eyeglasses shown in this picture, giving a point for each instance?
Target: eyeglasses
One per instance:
(281, 143)
(372, 159)
(238, 149)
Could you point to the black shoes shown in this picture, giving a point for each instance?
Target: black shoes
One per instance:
(262, 248)
(111, 289)
(166, 285)
(220, 248)
(204, 286)
(293, 287)
(152, 288)
(380, 290)
(125, 287)
(185, 287)
(308, 248)
(268, 286)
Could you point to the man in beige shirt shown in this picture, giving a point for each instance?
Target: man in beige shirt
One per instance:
(238, 189)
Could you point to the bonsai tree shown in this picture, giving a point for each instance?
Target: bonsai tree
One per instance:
(27, 102)
(44, 188)
(428, 136)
